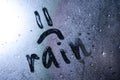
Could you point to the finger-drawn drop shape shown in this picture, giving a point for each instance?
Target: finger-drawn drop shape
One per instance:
(48, 32)
(47, 16)
(38, 19)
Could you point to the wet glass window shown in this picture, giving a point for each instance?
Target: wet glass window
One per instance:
(59, 40)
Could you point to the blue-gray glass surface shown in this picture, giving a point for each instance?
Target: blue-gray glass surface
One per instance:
(59, 39)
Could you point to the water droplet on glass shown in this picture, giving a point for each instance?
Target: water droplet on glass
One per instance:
(68, 17)
(100, 30)
(89, 14)
(30, 30)
(91, 64)
(93, 27)
(119, 47)
(104, 54)
(72, 56)
(79, 11)
(109, 15)
(93, 45)
(61, 76)
(79, 34)
(118, 12)
(88, 33)
(110, 68)
(58, 43)
(19, 35)
(71, 71)
(109, 26)
(89, 38)
(101, 78)
(82, 61)
(111, 51)
(95, 70)
(113, 73)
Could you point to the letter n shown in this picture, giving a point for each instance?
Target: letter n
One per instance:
(75, 48)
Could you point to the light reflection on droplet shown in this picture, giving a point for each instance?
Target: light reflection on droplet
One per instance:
(119, 47)
(104, 54)
(109, 26)
(91, 64)
(109, 15)
(61, 76)
(100, 30)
